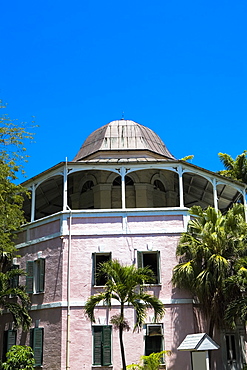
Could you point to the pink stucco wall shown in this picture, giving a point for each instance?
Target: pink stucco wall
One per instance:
(95, 225)
(124, 248)
(104, 234)
(171, 222)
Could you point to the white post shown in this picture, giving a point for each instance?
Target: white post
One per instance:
(123, 173)
(33, 203)
(65, 187)
(207, 360)
(68, 295)
(181, 189)
(215, 195)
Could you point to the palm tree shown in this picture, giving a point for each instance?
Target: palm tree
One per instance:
(14, 298)
(210, 255)
(126, 285)
(235, 169)
(237, 289)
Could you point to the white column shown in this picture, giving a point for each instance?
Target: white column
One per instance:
(207, 361)
(123, 173)
(68, 294)
(65, 187)
(33, 203)
(124, 224)
(181, 189)
(215, 194)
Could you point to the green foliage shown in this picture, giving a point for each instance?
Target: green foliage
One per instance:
(151, 362)
(13, 135)
(19, 302)
(12, 157)
(235, 169)
(126, 285)
(213, 263)
(19, 357)
(11, 214)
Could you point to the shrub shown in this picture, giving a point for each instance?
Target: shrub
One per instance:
(151, 362)
(19, 357)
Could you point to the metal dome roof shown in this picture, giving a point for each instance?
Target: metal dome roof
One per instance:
(123, 135)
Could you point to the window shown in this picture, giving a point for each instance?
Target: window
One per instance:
(35, 279)
(153, 338)
(158, 185)
(9, 340)
(102, 345)
(99, 258)
(152, 260)
(87, 186)
(36, 342)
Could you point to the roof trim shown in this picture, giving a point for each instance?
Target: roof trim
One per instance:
(121, 162)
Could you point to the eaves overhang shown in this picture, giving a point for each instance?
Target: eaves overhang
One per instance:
(139, 163)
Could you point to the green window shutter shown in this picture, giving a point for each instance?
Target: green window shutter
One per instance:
(97, 345)
(11, 339)
(14, 281)
(106, 345)
(29, 277)
(158, 268)
(139, 259)
(37, 345)
(94, 269)
(41, 275)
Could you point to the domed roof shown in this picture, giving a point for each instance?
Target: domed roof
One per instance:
(123, 135)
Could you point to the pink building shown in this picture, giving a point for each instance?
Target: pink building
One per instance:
(124, 196)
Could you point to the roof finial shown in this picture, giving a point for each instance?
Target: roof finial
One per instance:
(122, 115)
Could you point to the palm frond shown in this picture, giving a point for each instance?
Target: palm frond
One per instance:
(91, 303)
(213, 259)
(227, 160)
(236, 310)
(125, 284)
(184, 275)
(234, 168)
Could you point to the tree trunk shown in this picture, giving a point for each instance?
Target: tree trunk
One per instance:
(211, 328)
(121, 338)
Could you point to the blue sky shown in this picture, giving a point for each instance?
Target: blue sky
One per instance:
(177, 67)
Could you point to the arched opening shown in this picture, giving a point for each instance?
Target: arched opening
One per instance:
(92, 189)
(49, 197)
(159, 194)
(227, 196)
(116, 198)
(197, 191)
(27, 206)
(87, 195)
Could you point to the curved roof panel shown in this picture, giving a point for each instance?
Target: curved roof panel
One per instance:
(123, 135)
